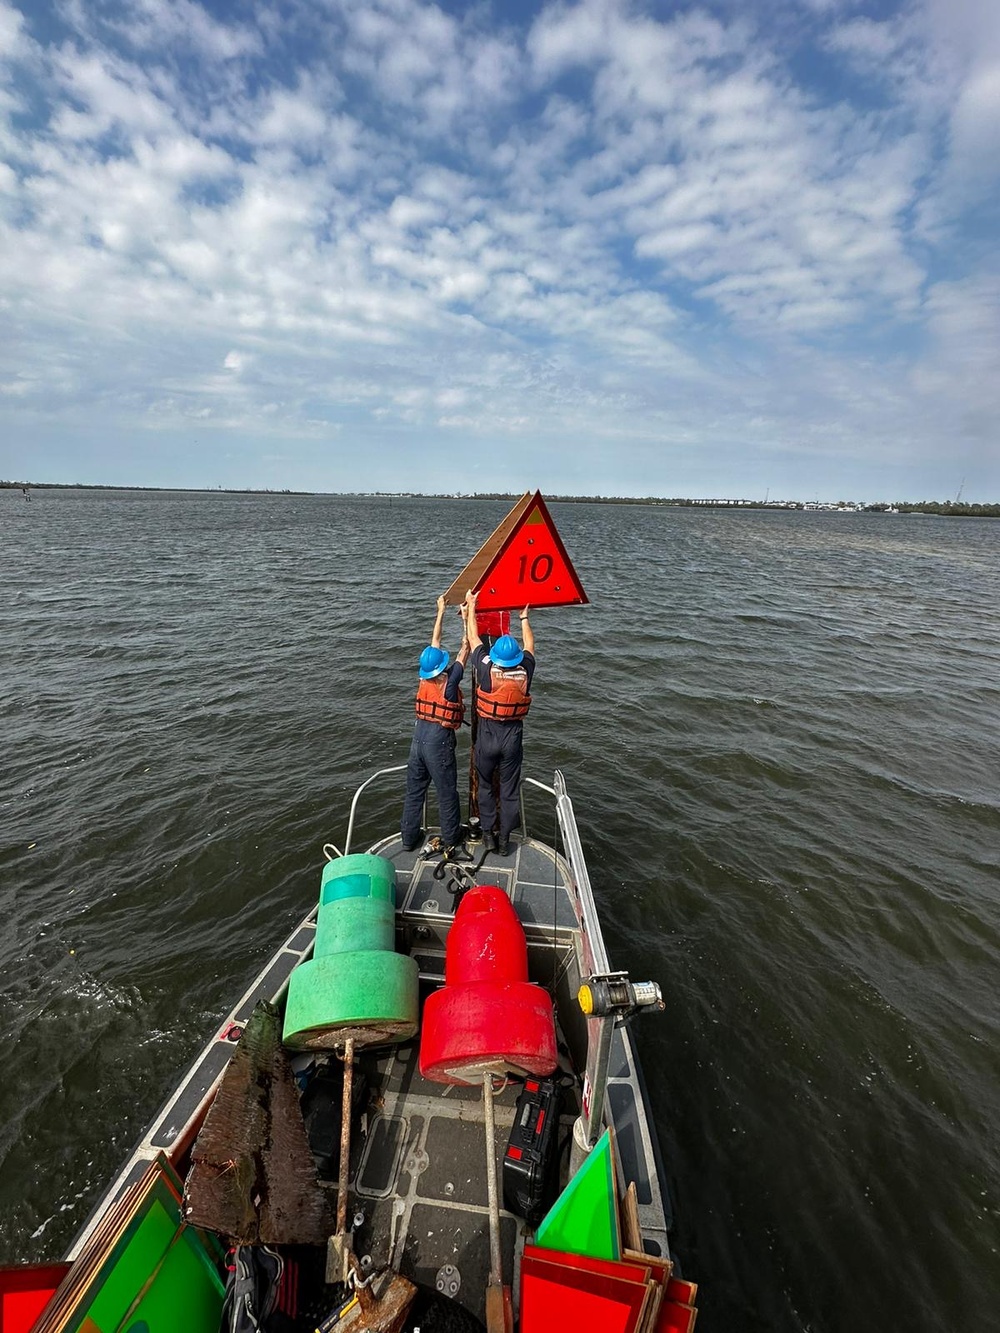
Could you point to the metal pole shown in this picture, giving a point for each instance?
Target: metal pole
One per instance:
(345, 1136)
(473, 775)
(496, 1262)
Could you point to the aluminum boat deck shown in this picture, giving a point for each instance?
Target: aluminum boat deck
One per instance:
(419, 1178)
(418, 1195)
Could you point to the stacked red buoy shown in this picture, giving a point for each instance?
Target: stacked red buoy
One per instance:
(488, 1017)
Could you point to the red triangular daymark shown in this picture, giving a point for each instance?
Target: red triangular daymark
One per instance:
(523, 563)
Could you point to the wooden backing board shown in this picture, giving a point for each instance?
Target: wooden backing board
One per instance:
(631, 1230)
(473, 573)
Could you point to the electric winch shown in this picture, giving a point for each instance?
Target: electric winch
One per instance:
(614, 995)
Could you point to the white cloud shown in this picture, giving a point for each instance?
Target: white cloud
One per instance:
(871, 42)
(12, 40)
(299, 117)
(406, 212)
(963, 365)
(153, 25)
(416, 56)
(941, 61)
(752, 174)
(975, 123)
(112, 93)
(608, 226)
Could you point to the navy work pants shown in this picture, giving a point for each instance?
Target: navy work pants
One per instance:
(499, 750)
(432, 759)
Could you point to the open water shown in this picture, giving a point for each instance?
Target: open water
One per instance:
(780, 731)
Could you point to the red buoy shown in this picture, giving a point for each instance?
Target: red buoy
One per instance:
(487, 1016)
(492, 623)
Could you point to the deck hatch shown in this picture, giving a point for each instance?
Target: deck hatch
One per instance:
(536, 866)
(379, 1167)
(534, 903)
(456, 1151)
(428, 894)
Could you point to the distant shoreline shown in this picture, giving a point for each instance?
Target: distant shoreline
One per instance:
(946, 508)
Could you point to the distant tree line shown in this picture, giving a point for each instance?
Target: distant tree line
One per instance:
(182, 490)
(948, 508)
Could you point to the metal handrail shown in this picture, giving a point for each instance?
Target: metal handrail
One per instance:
(399, 768)
(593, 962)
(594, 941)
(596, 957)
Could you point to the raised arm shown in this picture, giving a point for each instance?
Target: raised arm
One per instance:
(463, 652)
(526, 633)
(438, 621)
(471, 629)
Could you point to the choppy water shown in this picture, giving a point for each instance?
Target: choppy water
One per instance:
(781, 735)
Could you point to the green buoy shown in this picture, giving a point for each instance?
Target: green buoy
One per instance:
(355, 986)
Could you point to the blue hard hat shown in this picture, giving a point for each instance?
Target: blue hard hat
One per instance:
(505, 652)
(432, 662)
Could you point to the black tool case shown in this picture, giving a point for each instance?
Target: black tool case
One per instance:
(531, 1160)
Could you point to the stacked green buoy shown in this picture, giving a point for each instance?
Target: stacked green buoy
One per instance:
(355, 986)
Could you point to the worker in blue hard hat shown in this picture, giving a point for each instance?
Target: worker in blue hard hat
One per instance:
(440, 709)
(503, 696)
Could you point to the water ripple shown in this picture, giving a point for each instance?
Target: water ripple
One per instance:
(779, 733)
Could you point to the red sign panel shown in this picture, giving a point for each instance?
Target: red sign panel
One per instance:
(525, 564)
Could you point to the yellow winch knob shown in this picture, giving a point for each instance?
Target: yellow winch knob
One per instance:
(585, 999)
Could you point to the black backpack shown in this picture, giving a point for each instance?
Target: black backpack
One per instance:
(252, 1291)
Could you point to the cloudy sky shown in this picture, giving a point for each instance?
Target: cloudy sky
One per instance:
(739, 248)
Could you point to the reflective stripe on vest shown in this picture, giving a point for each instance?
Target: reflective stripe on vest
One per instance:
(432, 706)
(509, 700)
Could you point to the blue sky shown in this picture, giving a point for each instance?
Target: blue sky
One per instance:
(603, 247)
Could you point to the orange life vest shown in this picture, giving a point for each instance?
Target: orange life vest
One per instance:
(432, 706)
(509, 700)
